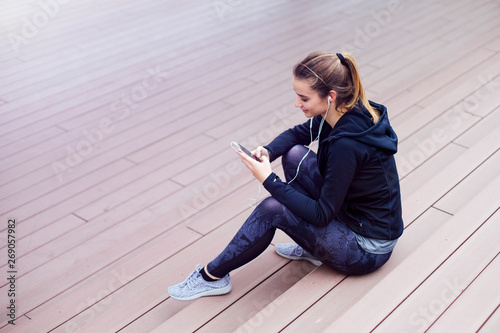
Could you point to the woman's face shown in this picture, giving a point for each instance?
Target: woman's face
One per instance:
(309, 100)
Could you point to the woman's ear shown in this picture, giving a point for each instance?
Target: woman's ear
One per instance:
(332, 95)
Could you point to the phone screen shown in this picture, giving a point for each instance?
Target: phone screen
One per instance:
(237, 146)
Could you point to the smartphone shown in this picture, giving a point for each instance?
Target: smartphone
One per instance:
(238, 147)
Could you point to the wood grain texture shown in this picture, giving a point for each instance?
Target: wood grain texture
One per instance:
(115, 123)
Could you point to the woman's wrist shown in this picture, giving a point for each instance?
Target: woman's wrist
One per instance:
(264, 177)
(272, 177)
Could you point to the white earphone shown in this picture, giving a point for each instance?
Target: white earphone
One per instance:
(317, 138)
(298, 166)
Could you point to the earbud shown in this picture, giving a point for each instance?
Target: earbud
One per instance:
(329, 99)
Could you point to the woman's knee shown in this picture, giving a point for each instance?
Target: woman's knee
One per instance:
(293, 156)
(270, 206)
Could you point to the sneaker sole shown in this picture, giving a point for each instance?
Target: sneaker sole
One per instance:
(312, 261)
(215, 292)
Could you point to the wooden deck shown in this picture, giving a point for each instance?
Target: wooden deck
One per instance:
(116, 118)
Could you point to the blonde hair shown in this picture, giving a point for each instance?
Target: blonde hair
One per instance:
(328, 72)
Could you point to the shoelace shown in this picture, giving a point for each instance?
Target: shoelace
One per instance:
(298, 251)
(192, 280)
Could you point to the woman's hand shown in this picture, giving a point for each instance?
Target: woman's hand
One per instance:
(260, 170)
(260, 151)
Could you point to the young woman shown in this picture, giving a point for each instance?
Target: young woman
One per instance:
(341, 207)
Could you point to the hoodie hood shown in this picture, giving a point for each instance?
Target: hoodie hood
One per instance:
(358, 125)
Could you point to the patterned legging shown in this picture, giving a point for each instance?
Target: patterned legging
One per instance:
(335, 244)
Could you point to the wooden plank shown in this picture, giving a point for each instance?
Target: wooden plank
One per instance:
(107, 145)
(484, 293)
(281, 111)
(150, 289)
(108, 283)
(379, 36)
(319, 314)
(26, 204)
(206, 308)
(107, 17)
(471, 186)
(118, 83)
(151, 318)
(487, 125)
(261, 300)
(441, 241)
(484, 100)
(395, 84)
(493, 322)
(116, 182)
(463, 86)
(415, 149)
(441, 289)
(20, 320)
(479, 12)
(117, 46)
(125, 128)
(206, 220)
(56, 253)
(144, 176)
(39, 53)
(451, 74)
(38, 203)
(23, 142)
(459, 12)
(443, 181)
(268, 127)
(32, 241)
(452, 102)
(215, 245)
(189, 40)
(494, 45)
(293, 302)
(93, 71)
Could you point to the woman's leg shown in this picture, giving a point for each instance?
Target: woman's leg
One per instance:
(307, 180)
(258, 231)
(335, 245)
(251, 240)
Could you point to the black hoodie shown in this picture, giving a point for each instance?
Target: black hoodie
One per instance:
(356, 160)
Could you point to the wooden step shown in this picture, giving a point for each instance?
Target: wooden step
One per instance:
(412, 270)
(443, 287)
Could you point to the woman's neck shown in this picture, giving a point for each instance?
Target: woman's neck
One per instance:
(334, 115)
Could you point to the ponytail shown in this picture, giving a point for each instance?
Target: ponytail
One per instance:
(359, 92)
(337, 72)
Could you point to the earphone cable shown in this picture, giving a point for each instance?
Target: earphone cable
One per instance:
(310, 145)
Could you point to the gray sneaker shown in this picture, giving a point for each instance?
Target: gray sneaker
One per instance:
(195, 286)
(295, 252)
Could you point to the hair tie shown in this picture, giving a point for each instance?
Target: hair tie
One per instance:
(342, 59)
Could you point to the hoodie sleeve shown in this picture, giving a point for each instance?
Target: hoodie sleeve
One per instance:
(298, 135)
(343, 162)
